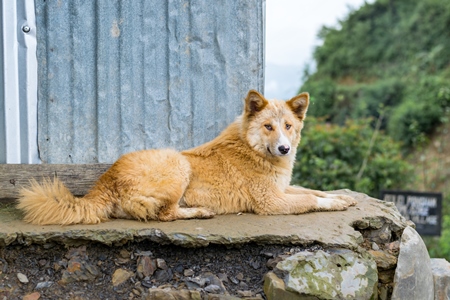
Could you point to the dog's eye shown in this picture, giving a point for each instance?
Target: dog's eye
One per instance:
(288, 126)
(268, 127)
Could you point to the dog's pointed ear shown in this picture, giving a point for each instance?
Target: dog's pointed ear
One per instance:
(254, 102)
(299, 105)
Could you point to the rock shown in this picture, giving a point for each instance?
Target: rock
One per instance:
(42, 262)
(79, 269)
(3, 266)
(385, 261)
(76, 252)
(380, 235)
(74, 265)
(121, 261)
(137, 292)
(234, 280)
(340, 274)
(144, 253)
(214, 280)
(240, 276)
(375, 246)
(147, 283)
(124, 253)
(386, 276)
(267, 254)
(245, 293)
(243, 285)
(361, 224)
(275, 289)
(120, 276)
(32, 296)
(178, 269)
(166, 286)
(161, 264)
(208, 281)
(145, 267)
(163, 275)
(384, 292)
(22, 278)
(255, 264)
(44, 285)
(393, 247)
(5, 292)
(441, 276)
(49, 245)
(212, 288)
(272, 262)
(413, 278)
(223, 277)
(220, 297)
(63, 263)
(199, 281)
(188, 272)
(173, 295)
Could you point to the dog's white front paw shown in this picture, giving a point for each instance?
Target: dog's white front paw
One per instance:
(331, 204)
(349, 199)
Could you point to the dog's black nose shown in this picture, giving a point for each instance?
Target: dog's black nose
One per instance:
(284, 149)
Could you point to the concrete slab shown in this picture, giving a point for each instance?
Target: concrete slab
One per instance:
(334, 229)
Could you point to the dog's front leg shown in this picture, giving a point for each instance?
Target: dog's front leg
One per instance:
(279, 203)
(297, 190)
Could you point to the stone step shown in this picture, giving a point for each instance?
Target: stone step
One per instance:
(230, 247)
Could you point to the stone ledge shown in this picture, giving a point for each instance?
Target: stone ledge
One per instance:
(331, 229)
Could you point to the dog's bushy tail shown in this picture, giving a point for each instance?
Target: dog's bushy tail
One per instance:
(52, 203)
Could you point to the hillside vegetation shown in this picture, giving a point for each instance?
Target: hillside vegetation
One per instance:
(380, 98)
(391, 57)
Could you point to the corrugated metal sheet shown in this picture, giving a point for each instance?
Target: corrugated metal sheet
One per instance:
(118, 76)
(18, 82)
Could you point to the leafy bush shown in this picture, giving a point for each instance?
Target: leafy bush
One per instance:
(330, 157)
(426, 105)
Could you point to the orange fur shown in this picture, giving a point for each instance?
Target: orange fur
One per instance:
(247, 168)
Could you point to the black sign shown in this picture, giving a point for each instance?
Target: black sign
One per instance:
(424, 209)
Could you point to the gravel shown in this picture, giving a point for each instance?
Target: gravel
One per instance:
(97, 271)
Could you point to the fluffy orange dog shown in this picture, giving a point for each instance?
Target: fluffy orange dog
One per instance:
(247, 168)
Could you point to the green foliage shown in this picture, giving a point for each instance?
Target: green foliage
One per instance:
(392, 54)
(382, 37)
(337, 103)
(440, 246)
(426, 106)
(330, 157)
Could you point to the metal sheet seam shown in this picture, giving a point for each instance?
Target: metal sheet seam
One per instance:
(18, 127)
(29, 80)
(10, 83)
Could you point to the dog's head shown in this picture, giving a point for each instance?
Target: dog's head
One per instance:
(273, 127)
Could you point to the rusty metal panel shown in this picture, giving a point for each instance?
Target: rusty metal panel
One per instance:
(118, 76)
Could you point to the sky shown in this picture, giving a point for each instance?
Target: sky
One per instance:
(291, 36)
